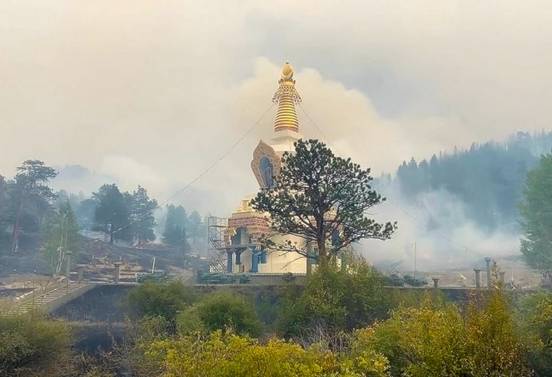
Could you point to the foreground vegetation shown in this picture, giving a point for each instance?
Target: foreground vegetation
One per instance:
(31, 346)
(342, 323)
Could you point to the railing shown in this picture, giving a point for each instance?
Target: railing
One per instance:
(46, 298)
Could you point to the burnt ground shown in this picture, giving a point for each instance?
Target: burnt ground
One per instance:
(93, 255)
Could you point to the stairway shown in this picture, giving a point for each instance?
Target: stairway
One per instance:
(50, 299)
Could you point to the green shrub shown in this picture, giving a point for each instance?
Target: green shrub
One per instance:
(33, 346)
(227, 310)
(535, 317)
(336, 300)
(159, 299)
(189, 322)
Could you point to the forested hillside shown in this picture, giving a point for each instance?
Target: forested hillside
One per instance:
(488, 178)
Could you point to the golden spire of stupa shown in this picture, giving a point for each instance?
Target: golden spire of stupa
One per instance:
(286, 97)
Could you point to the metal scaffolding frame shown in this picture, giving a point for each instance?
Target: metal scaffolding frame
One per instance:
(217, 228)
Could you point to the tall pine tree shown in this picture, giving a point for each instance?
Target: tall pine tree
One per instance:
(112, 214)
(30, 197)
(323, 199)
(142, 220)
(175, 233)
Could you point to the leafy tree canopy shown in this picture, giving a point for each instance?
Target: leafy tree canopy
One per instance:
(536, 212)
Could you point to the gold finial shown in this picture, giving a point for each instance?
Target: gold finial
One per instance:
(286, 97)
(287, 72)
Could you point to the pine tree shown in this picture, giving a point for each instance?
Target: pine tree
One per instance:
(142, 220)
(112, 213)
(175, 228)
(318, 196)
(29, 193)
(195, 227)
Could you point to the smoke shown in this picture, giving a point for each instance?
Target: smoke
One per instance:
(435, 232)
(156, 92)
(157, 85)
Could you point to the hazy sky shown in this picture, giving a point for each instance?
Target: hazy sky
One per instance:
(153, 92)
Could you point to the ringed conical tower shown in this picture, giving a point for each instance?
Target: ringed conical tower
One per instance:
(267, 155)
(286, 97)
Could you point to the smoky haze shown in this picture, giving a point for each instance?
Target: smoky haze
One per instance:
(458, 243)
(152, 93)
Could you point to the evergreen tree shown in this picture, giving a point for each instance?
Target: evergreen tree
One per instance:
(318, 196)
(3, 204)
(487, 178)
(29, 196)
(175, 228)
(4, 215)
(112, 213)
(141, 209)
(195, 227)
(536, 212)
(85, 213)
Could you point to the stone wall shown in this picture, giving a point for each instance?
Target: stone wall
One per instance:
(102, 303)
(105, 303)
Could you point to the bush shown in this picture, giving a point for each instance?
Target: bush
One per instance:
(189, 322)
(33, 346)
(535, 316)
(229, 355)
(159, 299)
(335, 300)
(226, 310)
(439, 341)
(414, 281)
(494, 339)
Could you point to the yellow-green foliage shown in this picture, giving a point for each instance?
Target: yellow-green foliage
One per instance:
(421, 342)
(219, 311)
(536, 313)
(536, 317)
(493, 341)
(439, 341)
(230, 355)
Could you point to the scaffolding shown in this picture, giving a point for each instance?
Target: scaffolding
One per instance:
(229, 238)
(217, 230)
